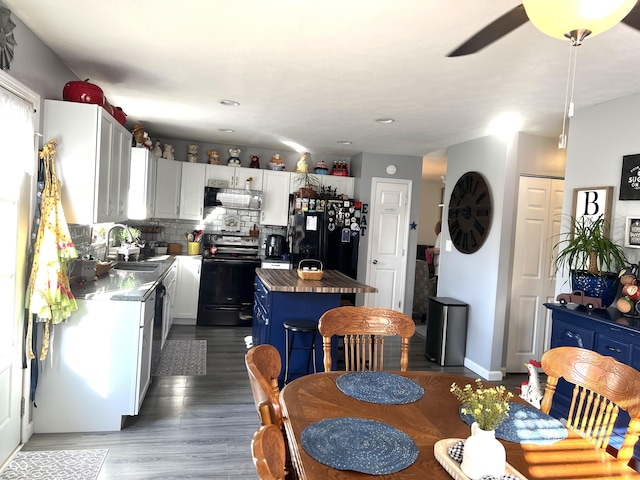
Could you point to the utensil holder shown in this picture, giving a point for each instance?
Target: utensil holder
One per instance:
(193, 248)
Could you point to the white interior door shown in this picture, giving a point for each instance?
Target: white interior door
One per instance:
(388, 242)
(533, 283)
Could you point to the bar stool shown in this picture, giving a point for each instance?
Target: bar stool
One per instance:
(302, 327)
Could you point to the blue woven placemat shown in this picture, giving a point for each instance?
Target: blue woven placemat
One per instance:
(359, 444)
(379, 387)
(527, 424)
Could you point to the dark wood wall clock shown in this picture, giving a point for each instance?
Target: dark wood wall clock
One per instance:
(470, 212)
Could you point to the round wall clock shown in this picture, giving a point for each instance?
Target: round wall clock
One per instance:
(470, 211)
(7, 40)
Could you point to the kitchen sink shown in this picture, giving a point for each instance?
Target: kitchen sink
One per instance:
(136, 266)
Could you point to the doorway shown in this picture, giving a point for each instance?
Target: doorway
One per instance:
(533, 276)
(18, 157)
(387, 251)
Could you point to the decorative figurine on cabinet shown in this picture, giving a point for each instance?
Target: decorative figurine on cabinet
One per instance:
(157, 150)
(255, 161)
(192, 153)
(275, 163)
(168, 152)
(301, 166)
(138, 134)
(234, 157)
(214, 157)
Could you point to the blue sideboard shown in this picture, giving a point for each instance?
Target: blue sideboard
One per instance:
(606, 331)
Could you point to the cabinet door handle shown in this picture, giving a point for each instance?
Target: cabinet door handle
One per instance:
(613, 349)
(577, 337)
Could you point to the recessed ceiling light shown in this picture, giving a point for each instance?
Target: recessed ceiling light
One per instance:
(344, 142)
(385, 120)
(226, 130)
(229, 103)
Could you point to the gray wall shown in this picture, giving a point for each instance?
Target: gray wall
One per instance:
(430, 212)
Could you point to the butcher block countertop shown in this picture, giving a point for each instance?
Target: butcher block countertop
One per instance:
(333, 281)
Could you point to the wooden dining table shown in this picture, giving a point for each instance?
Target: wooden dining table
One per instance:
(433, 417)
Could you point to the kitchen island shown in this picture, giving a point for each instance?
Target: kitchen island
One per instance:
(281, 295)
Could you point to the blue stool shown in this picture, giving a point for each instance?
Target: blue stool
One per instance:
(291, 328)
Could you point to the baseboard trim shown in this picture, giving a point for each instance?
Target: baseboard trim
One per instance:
(492, 376)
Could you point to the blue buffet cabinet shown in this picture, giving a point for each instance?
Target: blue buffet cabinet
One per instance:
(606, 331)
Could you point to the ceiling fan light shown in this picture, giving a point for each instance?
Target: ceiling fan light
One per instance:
(556, 18)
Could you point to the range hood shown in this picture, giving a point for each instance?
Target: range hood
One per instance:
(233, 198)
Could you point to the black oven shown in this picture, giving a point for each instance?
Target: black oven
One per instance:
(226, 283)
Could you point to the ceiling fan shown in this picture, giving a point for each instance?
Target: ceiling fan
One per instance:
(513, 19)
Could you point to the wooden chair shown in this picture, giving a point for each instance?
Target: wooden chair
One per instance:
(263, 367)
(364, 329)
(268, 449)
(602, 387)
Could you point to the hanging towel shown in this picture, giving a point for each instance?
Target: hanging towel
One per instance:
(49, 295)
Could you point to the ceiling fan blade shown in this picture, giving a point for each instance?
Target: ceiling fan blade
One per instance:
(633, 18)
(492, 32)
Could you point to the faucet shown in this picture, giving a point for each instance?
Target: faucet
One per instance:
(124, 227)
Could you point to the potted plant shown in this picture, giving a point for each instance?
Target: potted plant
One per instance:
(309, 184)
(592, 258)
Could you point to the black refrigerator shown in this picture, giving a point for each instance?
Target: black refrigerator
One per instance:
(326, 230)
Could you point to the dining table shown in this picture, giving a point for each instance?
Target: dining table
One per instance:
(317, 399)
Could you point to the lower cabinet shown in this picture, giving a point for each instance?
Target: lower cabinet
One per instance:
(169, 283)
(185, 306)
(605, 331)
(99, 367)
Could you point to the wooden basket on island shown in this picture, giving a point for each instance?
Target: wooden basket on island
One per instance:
(310, 273)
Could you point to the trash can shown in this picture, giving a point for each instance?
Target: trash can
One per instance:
(446, 331)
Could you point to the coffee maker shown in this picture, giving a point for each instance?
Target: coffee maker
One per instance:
(275, 246)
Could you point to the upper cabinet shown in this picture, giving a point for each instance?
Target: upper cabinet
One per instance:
(236, 177)
(275, 198)
(168, 180)
(93, 161)
(192, 191)
(142, 189)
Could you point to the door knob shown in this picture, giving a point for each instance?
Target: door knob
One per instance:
(375, 262)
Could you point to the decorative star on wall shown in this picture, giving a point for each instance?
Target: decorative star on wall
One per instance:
(413, 225)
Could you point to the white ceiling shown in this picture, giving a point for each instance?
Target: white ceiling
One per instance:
(319, 71)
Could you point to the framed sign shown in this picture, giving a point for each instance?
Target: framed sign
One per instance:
(590, 203)
(632, 232)
(630, 180)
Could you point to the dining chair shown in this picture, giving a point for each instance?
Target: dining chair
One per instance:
(603, 386)
(364, 330)
(263, 367)
(268, 450)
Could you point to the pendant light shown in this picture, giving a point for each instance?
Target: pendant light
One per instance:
(575, 20)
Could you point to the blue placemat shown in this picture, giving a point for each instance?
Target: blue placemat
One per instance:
(527, 424)
(359, 444)
(379, 387)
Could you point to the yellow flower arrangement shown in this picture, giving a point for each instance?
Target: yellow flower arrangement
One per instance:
(488, 406)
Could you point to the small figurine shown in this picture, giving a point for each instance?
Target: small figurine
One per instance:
(532, 391)
(214, 157)
(138, 134)
(157, 150)
(234, 157)
(321, 168)
(301, 166)
(192, 153)
(168, 152)
(276, 162)
(147, 141)
(255, 161)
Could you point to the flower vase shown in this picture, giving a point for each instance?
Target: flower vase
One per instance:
(483, 454)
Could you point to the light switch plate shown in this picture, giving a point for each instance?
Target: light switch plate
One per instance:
(448, 245)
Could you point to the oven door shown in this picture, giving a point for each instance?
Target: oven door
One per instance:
(226, 291)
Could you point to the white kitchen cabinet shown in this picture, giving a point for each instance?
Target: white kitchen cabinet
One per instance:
(99, 368)
(192, 191)
(142, 184)
(168, 180)
(235, 176)
(275, 198)
(169, 283)
(92, 161)
(185, 307)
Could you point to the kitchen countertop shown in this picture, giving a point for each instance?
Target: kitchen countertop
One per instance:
(332, 281)
(122, 284)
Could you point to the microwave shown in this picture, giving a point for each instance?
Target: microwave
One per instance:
(232, 198)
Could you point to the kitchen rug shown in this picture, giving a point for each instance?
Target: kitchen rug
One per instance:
(183, 357)
(55, 465)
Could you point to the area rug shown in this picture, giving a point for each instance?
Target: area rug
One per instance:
(183, 357)
(55, 465)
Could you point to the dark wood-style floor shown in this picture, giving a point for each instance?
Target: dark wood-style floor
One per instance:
(200, 427)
